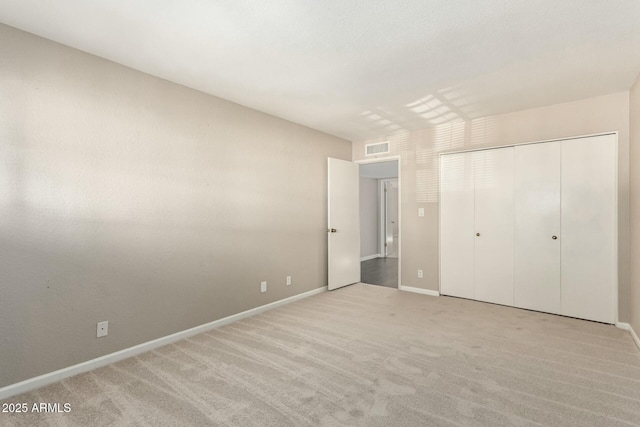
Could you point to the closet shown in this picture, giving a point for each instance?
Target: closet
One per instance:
(532, 226)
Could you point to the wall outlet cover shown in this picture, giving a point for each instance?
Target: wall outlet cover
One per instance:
(103, 329)
(263, 286)
(288, 280)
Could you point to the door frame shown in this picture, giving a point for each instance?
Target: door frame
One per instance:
(399, 177)
(382, 217)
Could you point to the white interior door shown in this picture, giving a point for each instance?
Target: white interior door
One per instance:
(343, 227)
(589, 228)
(493, 182)
(537, 227)
(456, 225)
(391, 218)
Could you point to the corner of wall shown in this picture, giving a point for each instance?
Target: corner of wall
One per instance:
(634, 203)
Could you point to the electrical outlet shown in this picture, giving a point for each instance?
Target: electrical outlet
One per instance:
(263, 286)
(420, 275)
(103, 329)
(288, 280)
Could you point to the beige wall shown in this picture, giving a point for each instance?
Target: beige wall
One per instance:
(419, 152)
(127, 198)
(634, 160)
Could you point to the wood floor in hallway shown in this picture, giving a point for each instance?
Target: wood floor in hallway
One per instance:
(380, 271)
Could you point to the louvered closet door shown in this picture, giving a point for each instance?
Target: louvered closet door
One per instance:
(589, 228)
(456, 225)
(537, 222)
(493, 179)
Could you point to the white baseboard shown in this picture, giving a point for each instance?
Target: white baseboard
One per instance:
(46, 379)
(368, 257)
(419, 291)
(622, 325)
(627, 327)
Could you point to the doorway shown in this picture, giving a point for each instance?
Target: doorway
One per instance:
(380, 222)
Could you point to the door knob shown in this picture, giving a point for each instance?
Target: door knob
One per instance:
(331, 230)
(478, 234)
(554, 237)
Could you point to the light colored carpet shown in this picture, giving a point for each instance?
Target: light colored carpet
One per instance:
(369, 356)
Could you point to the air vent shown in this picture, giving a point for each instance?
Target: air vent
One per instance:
(377, 148)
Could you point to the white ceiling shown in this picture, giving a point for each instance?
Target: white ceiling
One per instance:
(361, 68)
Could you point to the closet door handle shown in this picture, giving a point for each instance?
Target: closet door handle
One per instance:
(554, 237)
(478, 234)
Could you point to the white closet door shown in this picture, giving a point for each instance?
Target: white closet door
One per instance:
(493, 172)
(456, 225)
(537, 222)
(589, 228)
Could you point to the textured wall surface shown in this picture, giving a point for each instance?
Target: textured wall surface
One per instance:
(419, 152)
(634, 160)
(127, 198)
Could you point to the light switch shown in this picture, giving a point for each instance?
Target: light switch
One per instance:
(420, 211)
